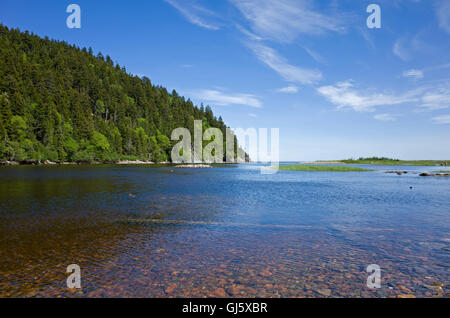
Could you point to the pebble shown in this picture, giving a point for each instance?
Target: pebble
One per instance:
(324, 292)
(404, 289)
(171, 288)
(406, 296)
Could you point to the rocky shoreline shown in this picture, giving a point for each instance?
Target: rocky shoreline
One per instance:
(51, 163)
(196, 166)
(121, 162)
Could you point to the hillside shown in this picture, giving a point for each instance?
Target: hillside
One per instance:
(61, 103)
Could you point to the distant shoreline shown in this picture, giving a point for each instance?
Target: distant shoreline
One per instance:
(382, 162)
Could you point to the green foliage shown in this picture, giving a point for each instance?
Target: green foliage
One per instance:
(62, 103)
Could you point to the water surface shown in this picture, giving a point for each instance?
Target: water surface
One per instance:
(222, 232)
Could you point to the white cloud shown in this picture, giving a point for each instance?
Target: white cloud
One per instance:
(419, 74)
(288, 90)
(438, 98)
(443, 15)
(385, 117)
(444, 119)
(416, 74)
(219, 98)
(287, 71)
(194, 13)
(344, 94)
(284, 20)
(252, 115)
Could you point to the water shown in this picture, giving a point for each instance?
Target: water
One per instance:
(167, 232)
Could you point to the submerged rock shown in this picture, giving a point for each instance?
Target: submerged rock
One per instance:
(324, 292)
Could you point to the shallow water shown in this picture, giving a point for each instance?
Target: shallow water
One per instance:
(167, 232)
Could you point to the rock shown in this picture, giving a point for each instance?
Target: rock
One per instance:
(171, 288)
(404, 289)
(324, 292)
(48, 163)
(397, 172)
(265, 273)
(137, 162)
(9, 163)
(234, 290)
(426, 174)
(434, 287)
(406, 296)
(199, 166)
(220, 292)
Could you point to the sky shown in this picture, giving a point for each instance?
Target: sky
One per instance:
(335, 88)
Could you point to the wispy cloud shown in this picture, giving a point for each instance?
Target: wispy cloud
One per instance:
(419, 74)
(288, 90)
(416, 74)
(220, 98)
(284, 20)
(195, 13)
(385, 117)
(316, 56)
(438, 98)
(444, 119)
(290, 73)
(400, 50)
(443, 15)
(345, 94)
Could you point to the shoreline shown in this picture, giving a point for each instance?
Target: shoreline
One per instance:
(118, 163)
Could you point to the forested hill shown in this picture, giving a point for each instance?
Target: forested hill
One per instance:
(61, 103)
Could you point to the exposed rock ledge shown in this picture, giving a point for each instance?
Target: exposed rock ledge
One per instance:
(138, 162)
(426, 174)
(9, 163)
(398, 172)
(195, 166)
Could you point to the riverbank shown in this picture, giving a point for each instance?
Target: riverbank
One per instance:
(121, 162)
(51, 163)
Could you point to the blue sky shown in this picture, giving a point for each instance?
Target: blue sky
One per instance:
(334, 87)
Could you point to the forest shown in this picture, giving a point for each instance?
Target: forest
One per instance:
(62, 103)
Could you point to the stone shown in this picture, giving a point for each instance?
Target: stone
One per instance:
(171, 288)
(404, 289)
(324, 292)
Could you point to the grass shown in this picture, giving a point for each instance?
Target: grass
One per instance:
(321, 168)
(393, 162)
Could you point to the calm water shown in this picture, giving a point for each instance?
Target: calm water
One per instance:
(166, 232)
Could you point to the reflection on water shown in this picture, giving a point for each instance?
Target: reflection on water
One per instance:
(166, 232)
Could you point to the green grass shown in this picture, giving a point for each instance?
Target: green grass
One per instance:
(392, 162)
(320, 168)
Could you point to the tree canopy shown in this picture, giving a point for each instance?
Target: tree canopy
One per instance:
(61, 103)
